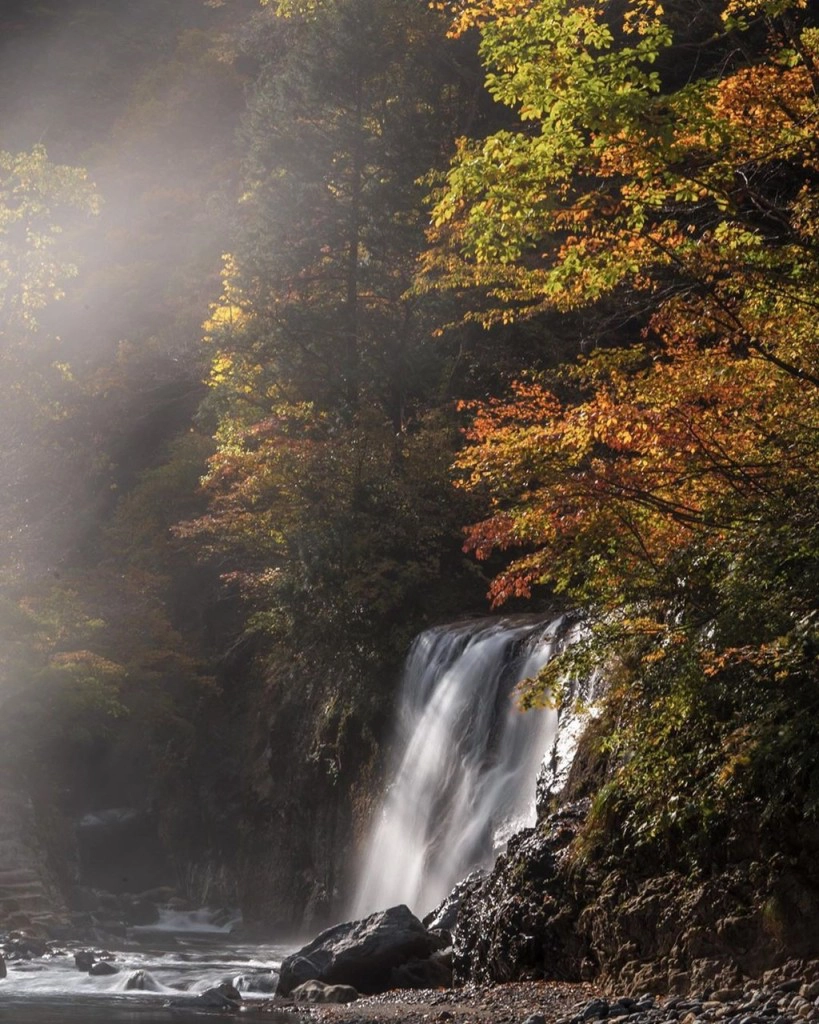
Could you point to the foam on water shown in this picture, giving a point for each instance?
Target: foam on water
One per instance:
(165, 974)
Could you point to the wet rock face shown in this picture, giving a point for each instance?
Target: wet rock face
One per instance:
(520, 922)
(445, 915)
(360, 953)
(288, 878)
(539, 915)
(668, 933)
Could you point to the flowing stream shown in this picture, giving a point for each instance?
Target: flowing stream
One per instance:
(182, 956)
(467, 760)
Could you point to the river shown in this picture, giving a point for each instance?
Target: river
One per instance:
(177, 966)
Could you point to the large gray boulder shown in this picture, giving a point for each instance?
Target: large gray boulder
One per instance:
(360, 953)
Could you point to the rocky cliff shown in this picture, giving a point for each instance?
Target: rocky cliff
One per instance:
(569, 901)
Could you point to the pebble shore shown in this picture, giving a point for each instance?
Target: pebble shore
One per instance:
(778, 1001)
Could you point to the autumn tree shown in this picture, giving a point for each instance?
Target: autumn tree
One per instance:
(324, 371)
(665, 484)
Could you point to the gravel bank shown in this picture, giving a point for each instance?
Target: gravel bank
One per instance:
(775, 1000)
(472, 1004)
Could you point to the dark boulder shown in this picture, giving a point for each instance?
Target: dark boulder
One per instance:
(84, 960)
(360, 953)
(103, 967)
(142, 981)
(433, 972)
(3, 971)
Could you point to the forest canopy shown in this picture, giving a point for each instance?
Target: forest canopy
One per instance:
(663, 177)
(509, 295)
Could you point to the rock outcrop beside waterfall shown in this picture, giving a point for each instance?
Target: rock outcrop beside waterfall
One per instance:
(521, 921)
(554, 907)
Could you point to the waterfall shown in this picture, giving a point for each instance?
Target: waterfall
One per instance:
(467, 760)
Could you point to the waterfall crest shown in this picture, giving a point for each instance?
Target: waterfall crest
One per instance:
(467, 761)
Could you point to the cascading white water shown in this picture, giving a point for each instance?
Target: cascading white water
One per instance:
(467, 761)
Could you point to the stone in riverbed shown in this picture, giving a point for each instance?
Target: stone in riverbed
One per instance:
(84, 960)
(142, 981)
(227, 991)
(264, 981)
(3, 971)
(223, 997)
(360, 953)
(103, 967)
(23, 945)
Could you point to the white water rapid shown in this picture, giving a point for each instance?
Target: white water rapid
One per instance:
(161, 972)
(467, 761)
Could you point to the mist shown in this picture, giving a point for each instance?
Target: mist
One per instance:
(146, 98)
(122, 119)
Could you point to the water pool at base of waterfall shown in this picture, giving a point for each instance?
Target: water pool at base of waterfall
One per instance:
(78, 1011)
(51, 990)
